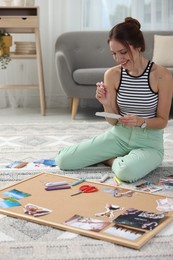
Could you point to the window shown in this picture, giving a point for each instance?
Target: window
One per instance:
(104, 14)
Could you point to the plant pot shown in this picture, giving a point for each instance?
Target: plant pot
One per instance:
(5, 45)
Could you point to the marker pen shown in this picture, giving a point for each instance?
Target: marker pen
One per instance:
(58, 183)
(59, 187)
(78, 181)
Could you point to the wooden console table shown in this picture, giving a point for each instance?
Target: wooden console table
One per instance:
(25, 20)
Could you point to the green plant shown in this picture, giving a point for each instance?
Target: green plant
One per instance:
(5, 44)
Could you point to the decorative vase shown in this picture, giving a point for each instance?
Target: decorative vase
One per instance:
(7, 43)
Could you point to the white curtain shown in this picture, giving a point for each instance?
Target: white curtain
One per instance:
(59, 16)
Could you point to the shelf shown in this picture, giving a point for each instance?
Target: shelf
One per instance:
(25, 20)
(11, 22)
(14, 55)
(18, 11)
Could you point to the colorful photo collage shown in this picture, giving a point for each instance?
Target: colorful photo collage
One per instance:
(13, 197)
(12, 200)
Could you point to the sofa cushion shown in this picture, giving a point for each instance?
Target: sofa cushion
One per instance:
(163, 51)
(89, 76)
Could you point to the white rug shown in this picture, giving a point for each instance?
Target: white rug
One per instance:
(25, 240)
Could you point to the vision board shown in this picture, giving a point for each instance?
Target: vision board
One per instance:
(113, 214)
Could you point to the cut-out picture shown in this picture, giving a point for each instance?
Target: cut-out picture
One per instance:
(165, 204)
(86, 223)
(35, 210)
(167, 181)
(140, 219)
(124, 232)
(148, 187)
(17, 164)
(121, 192)
(9, 203)
(16, 194)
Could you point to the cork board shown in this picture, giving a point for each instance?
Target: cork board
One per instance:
(63, 207)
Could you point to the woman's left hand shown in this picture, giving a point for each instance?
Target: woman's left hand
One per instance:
(131, 120)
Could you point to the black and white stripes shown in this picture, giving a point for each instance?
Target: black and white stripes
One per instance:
(135, 96)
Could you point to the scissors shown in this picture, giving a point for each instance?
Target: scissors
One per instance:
(85, 189)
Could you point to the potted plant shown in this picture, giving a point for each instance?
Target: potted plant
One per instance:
(5, 44)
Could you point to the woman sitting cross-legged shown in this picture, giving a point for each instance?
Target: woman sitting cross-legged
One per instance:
(141, 92)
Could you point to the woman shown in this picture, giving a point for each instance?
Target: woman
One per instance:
(141, 92)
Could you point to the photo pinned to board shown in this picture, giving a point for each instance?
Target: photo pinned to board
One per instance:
(122, 192)
(90, 224)
(123, 232)
(35, 210)
(16, 194)
(165, 204)
(140, 219)
(9, 203)
(119, 192)
(110, 210)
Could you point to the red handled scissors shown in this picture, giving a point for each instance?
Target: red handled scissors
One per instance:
(85, 189)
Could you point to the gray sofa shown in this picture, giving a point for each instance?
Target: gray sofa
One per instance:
(81, 58)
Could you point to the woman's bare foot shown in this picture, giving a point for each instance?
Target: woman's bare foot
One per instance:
(109, 162)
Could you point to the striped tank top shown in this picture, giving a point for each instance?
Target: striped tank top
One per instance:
(135, 96)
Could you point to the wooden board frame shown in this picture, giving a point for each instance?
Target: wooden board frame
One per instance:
(64, 206)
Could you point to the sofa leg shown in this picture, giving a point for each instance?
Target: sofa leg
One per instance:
(70, 102)
(75, 103)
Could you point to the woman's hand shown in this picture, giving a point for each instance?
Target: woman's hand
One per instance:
(101, 93)
(131, 120)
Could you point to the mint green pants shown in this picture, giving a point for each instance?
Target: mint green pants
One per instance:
(137, 151)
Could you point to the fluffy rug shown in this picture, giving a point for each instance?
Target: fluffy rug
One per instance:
(25, 240)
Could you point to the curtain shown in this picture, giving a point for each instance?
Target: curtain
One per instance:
(59, 16)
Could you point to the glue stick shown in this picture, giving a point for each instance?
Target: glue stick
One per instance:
(104, 178)
(116, 180)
